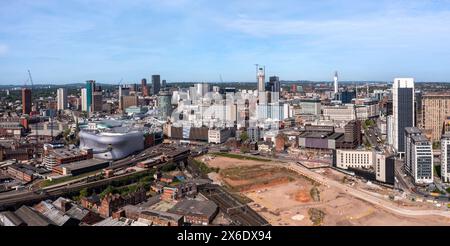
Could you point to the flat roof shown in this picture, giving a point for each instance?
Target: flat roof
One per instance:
(83, 164)
(336, 135)
(309, 134)
(412, 130)
(195, 207)
(111, 222)
(420, 138)
(161, 214)
(27, 169)
(65, 153)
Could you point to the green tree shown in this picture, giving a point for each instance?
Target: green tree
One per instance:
(244, 136)
(108, 190)
(84, 193)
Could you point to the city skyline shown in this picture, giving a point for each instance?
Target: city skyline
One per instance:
(183, 40)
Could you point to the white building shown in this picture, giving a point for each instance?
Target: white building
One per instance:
(310, 106)
(61, 97)
(390, 130)
(84, 106)
(418, 156)
(336, 86)
(354, 158)
(218, 136)
(445, 158)
(261, 79)
(384, 168)
(339, 112)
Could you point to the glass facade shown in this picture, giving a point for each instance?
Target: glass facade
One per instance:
(405, 114)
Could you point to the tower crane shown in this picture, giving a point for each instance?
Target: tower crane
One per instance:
(32, 88)
(31, 79)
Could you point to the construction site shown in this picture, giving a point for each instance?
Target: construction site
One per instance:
(288, 198)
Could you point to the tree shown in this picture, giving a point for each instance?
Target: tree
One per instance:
(108, 190)
(84, 193)
(244, 136)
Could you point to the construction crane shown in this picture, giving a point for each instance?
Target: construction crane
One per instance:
(32, 88)
(31, 79)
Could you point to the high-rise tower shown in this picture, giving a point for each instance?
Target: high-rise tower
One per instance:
(403, 110)
(26, 100)
(156, 84)
(90, 88)
(261, 75)
(61, 95)
(144, 88)
(336, 82)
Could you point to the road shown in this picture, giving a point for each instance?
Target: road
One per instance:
(371, 135)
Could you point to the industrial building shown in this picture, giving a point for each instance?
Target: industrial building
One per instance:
(23, 172)
(325, 137)
(196, 212)
(80, 167)
(319, 137)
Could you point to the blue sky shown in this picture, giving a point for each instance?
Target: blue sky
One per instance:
(199, 40)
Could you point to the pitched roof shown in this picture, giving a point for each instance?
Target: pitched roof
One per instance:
(52, 213)
(32, 217)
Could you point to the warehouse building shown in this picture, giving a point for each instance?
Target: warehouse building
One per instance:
(196, 212)
(80, 167)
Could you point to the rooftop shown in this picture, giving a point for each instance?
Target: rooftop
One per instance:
(161, 214)
(65, 153)
(52, 213)
(30, 170)
(31, 217)
(83, 164)
(113, 222)
(195, 207)
(12, 217)
(420, 138)
(412, 130)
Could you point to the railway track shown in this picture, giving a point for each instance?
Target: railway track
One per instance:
(241, 214)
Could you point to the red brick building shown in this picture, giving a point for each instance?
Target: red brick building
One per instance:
(113, 202)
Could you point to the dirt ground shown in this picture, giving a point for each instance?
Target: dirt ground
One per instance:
(290, 201)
